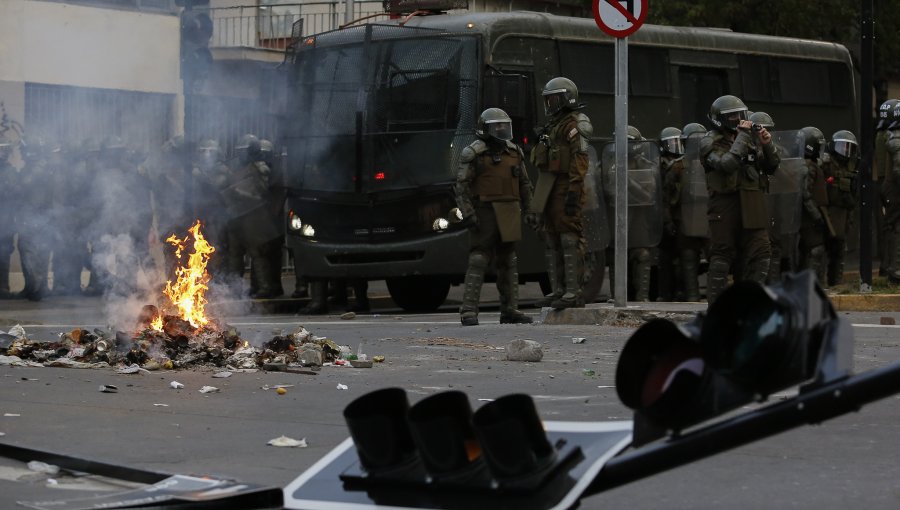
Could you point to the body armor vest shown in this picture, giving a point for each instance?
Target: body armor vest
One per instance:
(497, 181)
(556, 157)
(881, 165)
(817, 188)
(841, 185)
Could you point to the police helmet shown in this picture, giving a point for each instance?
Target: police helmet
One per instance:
(247, 147)
(208, 151)
(670, 141)
(843, 144)
(494, 124)
(812, 140)
(693, 129)
(886, 116)
(727, 112)
(6, 148)
(266, 151)
(559, 94)
(763, 119)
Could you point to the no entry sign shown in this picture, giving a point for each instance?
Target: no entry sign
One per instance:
(620, 18)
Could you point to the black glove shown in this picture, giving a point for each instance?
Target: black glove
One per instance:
(572, 203)
(470, 221)
(532, 220)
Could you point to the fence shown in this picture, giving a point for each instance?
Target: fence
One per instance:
(269, 26)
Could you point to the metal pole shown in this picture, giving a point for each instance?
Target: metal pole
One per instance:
(188, 81)
(867, 146)
(621, 183)
(348, 11)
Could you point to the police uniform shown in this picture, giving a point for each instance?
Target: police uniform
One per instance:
(840, 183)
(9, 198)
(492, 187)
(562, 159)
(888, 158)
(814, 222)
(738, 217)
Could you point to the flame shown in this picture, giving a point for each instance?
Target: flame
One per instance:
(157, 323)
(187, 293)
(246, 344)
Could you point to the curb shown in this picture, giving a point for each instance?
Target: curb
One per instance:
(866, 302)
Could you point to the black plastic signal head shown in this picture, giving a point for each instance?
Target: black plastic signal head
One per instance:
(441, 427)
(378, 426)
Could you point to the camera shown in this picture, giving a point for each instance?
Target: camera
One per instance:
(756, 128)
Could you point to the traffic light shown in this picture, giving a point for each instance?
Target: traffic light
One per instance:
(753, 341)
(196, 59)
(438, 453)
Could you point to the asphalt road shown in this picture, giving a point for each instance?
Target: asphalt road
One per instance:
(851, 461)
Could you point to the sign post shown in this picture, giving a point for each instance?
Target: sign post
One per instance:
(621, 18)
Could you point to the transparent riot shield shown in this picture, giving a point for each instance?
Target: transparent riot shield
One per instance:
(694, 198)
(645, 219)
(596, 228)
(785, 194)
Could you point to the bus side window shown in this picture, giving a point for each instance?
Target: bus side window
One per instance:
(513, 94)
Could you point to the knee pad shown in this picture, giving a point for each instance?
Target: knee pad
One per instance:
(478, 260)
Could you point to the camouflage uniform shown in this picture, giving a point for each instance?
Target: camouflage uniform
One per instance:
(814, 222)
(840, 181)
(888, 157)
(492, 188)
(33, 219)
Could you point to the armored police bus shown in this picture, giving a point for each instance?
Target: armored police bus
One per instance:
(376, 116)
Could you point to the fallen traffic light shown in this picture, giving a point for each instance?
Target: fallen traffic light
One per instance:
(438, 453)
(752, 342)
(196, 59)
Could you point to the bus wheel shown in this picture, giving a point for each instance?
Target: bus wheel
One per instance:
(419, 293)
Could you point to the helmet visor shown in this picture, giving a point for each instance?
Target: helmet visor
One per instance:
(499, 130)
(731, 119)
(845, 148)
(673, 145)
(554, 102)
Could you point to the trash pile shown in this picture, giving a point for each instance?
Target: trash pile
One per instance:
(176, 345)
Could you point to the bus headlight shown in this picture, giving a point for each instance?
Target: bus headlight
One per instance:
(440, 225)
(307, 230)
(296, 224)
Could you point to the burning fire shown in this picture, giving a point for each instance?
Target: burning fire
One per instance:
(187, 293)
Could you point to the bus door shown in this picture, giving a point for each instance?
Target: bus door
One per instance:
(513, 93)
(699, 87)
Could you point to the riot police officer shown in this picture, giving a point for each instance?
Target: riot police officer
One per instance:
(32, 219)
(840, 171)
(887, 157)
(881, 168)
(265, 260)
(688, 199)
(210, 179)
(734, 155)
(8, 196)
(671, 166)
(492, 191)
(815, 224)
(66, 189)
(562, 158)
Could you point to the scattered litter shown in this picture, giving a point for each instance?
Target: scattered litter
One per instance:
(28, 379)
(281, 391)
(133, 368)
(342, 386)
(11, 415)
(602, 387)
(348, 316)
(277, 386)
(2, 434)
(588, 372)
(378, 359)
(160, 405)
(360, 363)
(524, 350)
(578, 340)
(17, 331)
(222, 375)
(43, 467)
(485, 400)
(109, 388)
(176, 385)
(209, 389)
(52, 481)
(287, 442)
(552, 376)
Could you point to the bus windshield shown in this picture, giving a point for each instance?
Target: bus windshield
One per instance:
(381, 115)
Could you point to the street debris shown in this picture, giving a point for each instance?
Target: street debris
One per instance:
(348, 316)
(357, 363)
(11, 415)
(578, 340)
(176, 385)
(276, 386)
(131, 369)
(342, 386)
(109, 388)
(286, 442)
(42, 467)
(888, 321)
(588, 372)
(160, 405)
(281, 391)
(378, 359)
(524, 350)
(221, 375)
(209, 389)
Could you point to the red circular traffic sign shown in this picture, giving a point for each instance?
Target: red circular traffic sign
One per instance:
(620, 18)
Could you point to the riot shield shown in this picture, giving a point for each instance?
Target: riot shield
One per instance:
(785, 194)
(694, 199)
(645, 219)
(596, 228)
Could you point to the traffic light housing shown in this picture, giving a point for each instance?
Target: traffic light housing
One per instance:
(753, 341)
(196, 59)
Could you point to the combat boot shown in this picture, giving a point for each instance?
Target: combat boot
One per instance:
(641, 275)
(572, 260)
(836, 264)
(508, 285)
(817, 262)
(468, 311)
(894, 268)
(318, 303)
(716, 279)
(552, 258)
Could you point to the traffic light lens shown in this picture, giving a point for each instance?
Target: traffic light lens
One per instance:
(513, 437)
(378, 426)
(761, 325)
(441, 426)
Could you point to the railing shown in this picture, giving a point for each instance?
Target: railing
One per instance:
(269, 26)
